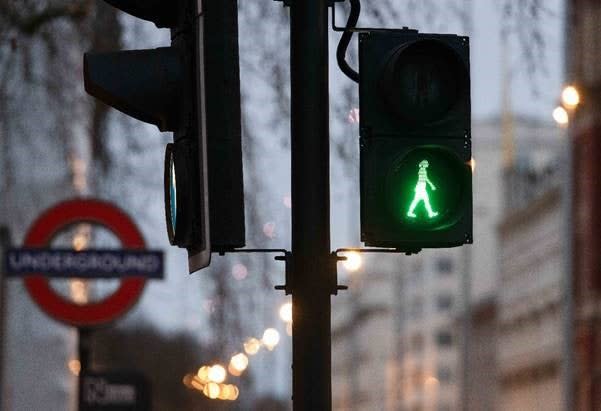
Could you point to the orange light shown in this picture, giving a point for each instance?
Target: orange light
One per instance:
(252, 346)
(271, 338)
(203, 374)
(570, 97)
(286, 312)
(212, 390)
(217, 374)
(74, 367)
(353, 262)
(239, 362)
(560, 115)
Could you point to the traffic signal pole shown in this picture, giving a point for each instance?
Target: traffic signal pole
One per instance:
(313, 274)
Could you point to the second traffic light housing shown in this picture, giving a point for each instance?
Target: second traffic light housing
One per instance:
(415, 146)
(191, 88)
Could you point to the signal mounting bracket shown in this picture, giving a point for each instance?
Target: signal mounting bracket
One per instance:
(288, 3)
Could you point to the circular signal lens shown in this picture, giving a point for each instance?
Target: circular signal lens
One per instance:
(423, 80)
(170, 182)
(426, 187)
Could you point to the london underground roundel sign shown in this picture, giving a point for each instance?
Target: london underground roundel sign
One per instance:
(59, 217)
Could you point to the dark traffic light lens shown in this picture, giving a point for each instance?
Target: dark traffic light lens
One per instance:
(422, 81)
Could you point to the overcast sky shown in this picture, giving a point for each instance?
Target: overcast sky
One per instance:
(486, 47)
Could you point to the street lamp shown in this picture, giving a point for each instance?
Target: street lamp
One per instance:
(570, 97)
(560, 115)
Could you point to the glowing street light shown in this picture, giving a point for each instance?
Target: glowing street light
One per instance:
(203, 374)
(74, 366)
(212, 390)
(252, 346)
(570, 97)
(560, 115)
(217, 374)
(286, 312)
(353, 261)
(238, 364)
(472, 163)
(271, 338)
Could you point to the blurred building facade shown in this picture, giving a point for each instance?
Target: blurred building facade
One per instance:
(530, 334)
(583, 69)
(363, 341)
(399, 339)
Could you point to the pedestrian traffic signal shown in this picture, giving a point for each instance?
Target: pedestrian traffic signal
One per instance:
(415, 146)
(169, 87)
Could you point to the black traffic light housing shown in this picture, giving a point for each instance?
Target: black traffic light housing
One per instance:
(176, 89)
(415, 144)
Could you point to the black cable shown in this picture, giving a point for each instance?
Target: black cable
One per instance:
(353, 18)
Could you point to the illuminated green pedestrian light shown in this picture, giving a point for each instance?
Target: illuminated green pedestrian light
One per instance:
(421, 192)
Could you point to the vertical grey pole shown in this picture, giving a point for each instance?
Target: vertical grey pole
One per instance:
(311, 282)
(4, 244)
(83, 350)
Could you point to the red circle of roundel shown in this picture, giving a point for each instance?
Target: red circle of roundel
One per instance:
(84, 211)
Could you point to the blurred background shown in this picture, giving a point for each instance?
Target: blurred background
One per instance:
(508, 323)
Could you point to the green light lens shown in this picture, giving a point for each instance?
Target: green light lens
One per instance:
(421, 195)
(425, 188)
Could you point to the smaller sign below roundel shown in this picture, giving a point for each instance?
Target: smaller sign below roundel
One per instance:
(114, 391)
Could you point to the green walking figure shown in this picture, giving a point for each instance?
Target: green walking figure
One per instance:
(421, 193)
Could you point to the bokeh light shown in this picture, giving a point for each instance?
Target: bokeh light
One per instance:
(239, 271)
(286, 312)
(570, 97)
(252, 346)
(560, 115)
(239, 362)
(79, 291)
(287, 200)
(217, 374)
(203, 374)
(472, 164)
(269, 230)
(353, 261)
(212, 390)
(271, 338)
(74, 366)
(353, 116)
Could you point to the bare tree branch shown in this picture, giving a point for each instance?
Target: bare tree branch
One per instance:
(30, 23)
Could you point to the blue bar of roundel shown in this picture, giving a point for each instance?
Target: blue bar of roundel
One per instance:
(97, 263)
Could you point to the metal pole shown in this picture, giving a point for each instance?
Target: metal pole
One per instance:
(311, 280)
(4, 244)
(83, 350)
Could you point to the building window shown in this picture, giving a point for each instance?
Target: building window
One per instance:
(444, 338)
(444, 265)
(444, 302)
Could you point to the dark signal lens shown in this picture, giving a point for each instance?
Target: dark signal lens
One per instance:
(422, 81)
